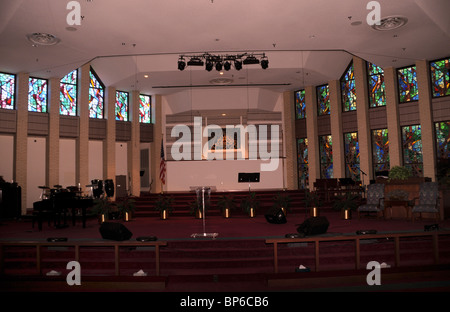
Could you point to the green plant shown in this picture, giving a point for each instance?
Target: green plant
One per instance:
(226, 201)
(312, 199)
(282, 201)
(196, 205)
(397, 195)
(164, 202)
(127, 205)
(347, 201)
(250, 201)
(103, 206)
(399, 173)
(443, 172)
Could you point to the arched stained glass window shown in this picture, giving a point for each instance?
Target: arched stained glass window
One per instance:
(377, 93)
(68, 94)
(96, 96)
(407, 84)
(440, 77)
(326, 156)
(300, 104)
(348, 91)
(8, 86)
(145, 108)
(323, 100)
(302, 161)
(412, 149)
(122, 105)
(37, 95)
(351, 148)
(380, 150)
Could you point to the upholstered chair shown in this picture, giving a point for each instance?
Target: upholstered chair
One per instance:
(428, 200)
(375, 200)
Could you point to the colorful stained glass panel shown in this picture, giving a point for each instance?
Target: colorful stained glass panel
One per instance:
(380, 150)
(412, 149)
(37, 95)
(326, 156)
(121, 105)
(351, 149)
(377, 93)
(323, 100)
(8, 84)
(348, 91)
(407, 84)
(443, 140)
(68, 94)
(96, 96)
(440, 77)
(302, 161)
(300, 104)
(145, 111)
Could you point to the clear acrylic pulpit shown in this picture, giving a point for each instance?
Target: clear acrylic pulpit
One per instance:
(203, 198)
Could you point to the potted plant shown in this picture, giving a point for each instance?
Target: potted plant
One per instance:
(103, 208)
(164, 205)
(126, 208)
(197, 208)
(282, 202)
(313, 202)
(250, 204)
(226, 203)
(399, 173)
(346, 204)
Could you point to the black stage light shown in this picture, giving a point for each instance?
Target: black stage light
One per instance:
(227, 65)
(181, 64)
(238, 65)
(195, 62)
(209, 65)
(264, 63)
(251, 60)
(219, 66)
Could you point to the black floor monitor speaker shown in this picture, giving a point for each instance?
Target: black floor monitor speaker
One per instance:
(115, 231)
(314, 226)
(275, 216)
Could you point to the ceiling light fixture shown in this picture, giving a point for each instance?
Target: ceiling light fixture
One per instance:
(43, 39)
(390, 23)
(223, 61)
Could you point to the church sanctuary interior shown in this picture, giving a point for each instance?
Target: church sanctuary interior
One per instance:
(224, 146)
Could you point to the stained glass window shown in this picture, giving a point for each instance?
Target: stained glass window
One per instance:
(412, 149)
(407, 84)
(68, 94)
(122, 105)
(8, 85)
(351, 148)
(326, 157)
(440, 77)
(37, 95)
(443, 140)
(96, 96)
(348, 91)
(145, 108)
(300, 104)
(302, 161)
(380, 151)
(323, 100)
(377, 93)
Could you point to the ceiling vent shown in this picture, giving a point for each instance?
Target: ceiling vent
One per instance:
(43, 39)
(221, 81)
(390, 23)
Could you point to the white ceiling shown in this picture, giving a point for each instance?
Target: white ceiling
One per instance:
(307, 42)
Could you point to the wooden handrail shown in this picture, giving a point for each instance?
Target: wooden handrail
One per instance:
(78, 244)
(356, 238)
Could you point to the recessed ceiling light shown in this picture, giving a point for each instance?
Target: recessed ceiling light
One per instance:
(390, 23)
(43, 39)
(145, 76)
(223, 114)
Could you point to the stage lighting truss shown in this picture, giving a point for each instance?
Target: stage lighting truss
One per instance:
(220, 62)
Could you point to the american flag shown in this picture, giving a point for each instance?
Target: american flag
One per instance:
(162, 165)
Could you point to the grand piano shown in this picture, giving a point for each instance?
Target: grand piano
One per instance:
(58, 204)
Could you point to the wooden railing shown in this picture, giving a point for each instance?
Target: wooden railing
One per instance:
(77, 245)
(357, 238)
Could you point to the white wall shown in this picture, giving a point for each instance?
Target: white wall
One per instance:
(95, 160)
(7, 157)
(223, 174)
(121, 160)
(67, 162)
(36, 169)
